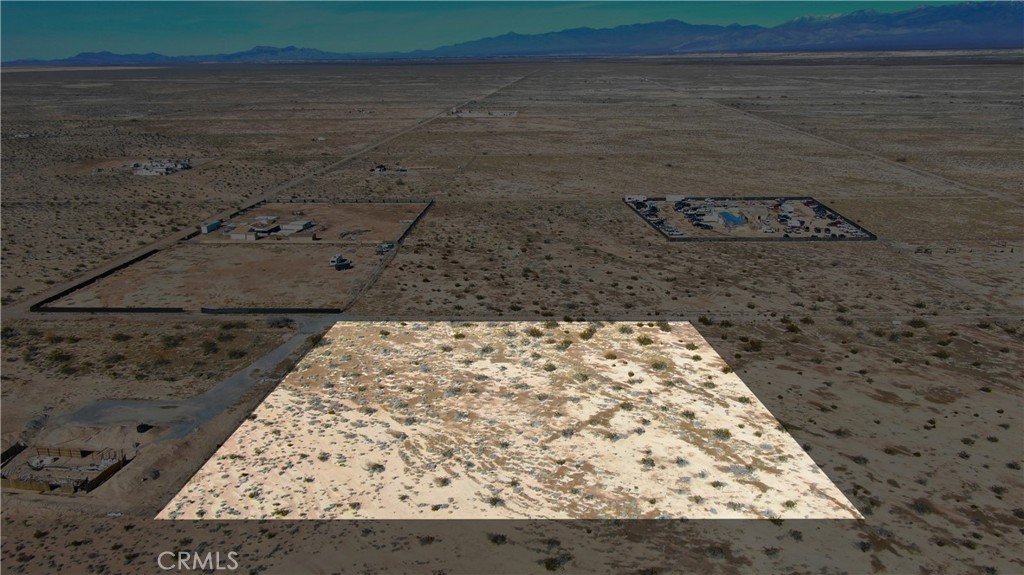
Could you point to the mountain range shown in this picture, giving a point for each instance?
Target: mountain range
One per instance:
(969, 25)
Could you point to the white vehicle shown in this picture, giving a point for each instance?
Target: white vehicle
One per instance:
(338, 260)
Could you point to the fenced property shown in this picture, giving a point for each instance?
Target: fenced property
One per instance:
(62, 469)
(804, 218)
(270, 255)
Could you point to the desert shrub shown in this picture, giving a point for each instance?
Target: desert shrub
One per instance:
(644, 340)
(59, 356)
(171, 341)
(280, 322)
(723, 434)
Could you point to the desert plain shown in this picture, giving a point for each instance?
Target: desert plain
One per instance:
(893, 364)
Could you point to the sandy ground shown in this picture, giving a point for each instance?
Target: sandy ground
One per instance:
(86, 360)
(377, 424)
(917, 424)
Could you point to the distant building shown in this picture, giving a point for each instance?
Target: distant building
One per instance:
(209, 226)
(243, 233)
(263, 231)
(297, 226)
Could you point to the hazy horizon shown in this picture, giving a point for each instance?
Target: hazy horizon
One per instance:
(54, 30)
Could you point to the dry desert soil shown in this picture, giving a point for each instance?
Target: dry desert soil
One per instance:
(892, 367)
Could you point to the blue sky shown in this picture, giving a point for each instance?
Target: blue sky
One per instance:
(48, 30)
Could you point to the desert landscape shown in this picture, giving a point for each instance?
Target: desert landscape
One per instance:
(894, 364)
(511, 420)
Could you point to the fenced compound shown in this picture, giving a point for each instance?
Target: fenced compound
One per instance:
(711, 219)
(258, 267)
(63, 469)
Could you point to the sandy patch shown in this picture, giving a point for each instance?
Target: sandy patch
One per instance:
(511, 420)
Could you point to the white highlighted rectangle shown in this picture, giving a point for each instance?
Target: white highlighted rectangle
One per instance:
(439, 420)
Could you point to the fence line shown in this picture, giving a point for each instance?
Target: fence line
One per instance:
(868, 236)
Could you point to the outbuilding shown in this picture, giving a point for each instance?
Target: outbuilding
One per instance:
(209, 226)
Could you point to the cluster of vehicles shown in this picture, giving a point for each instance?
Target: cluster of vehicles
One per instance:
(650, 213)
(692, 214)
(837, 227)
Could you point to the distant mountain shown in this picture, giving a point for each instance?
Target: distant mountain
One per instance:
(970, 25)
(259, 54)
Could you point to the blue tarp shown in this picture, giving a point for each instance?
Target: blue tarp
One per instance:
(731, 218)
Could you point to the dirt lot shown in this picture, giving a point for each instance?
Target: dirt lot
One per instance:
(896, 370)
(235, 275)
(54, 367)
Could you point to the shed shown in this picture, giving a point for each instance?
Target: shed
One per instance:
(209, 226)
(244, 233)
